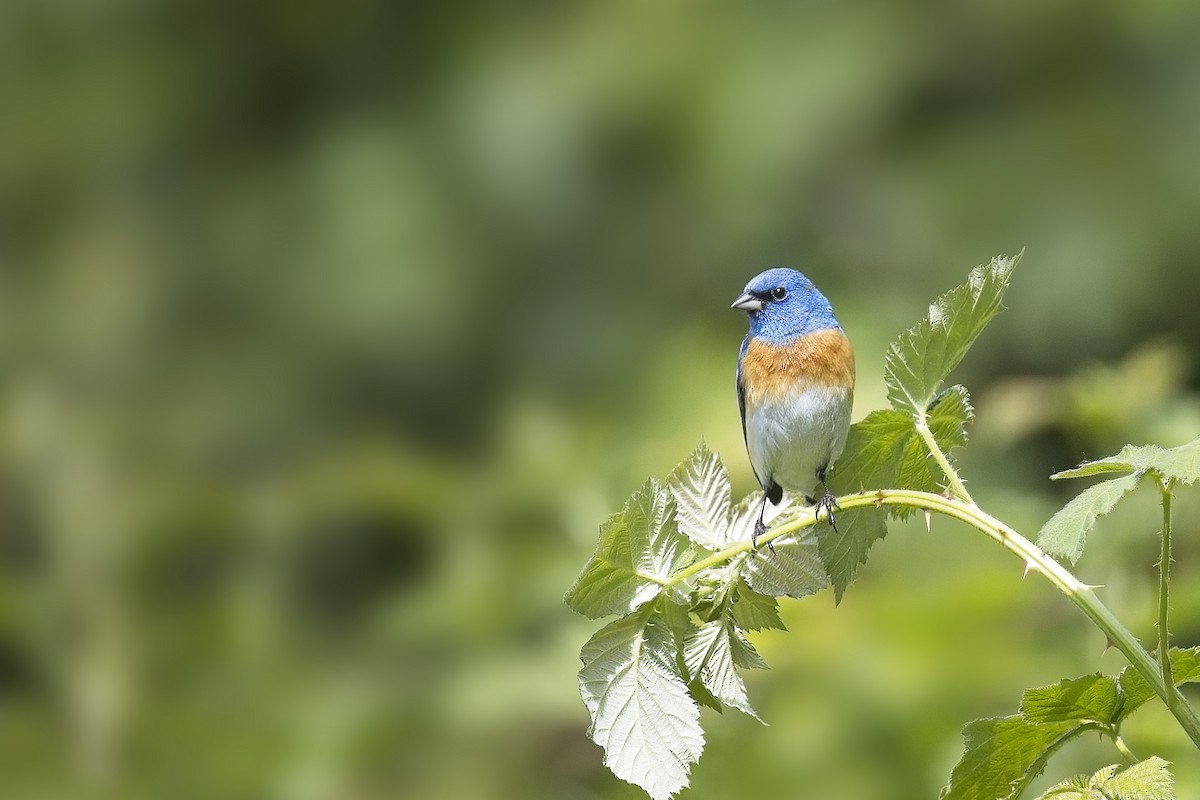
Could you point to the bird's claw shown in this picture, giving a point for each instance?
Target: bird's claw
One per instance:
(759, 529)
(829, 503)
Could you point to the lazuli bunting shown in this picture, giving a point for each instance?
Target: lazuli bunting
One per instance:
(795, 387)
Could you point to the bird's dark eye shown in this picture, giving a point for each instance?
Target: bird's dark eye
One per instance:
(778, 293)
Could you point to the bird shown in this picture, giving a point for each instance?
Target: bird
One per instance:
(795, 389)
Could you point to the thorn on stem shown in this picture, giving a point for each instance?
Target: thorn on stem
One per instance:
(928, 521)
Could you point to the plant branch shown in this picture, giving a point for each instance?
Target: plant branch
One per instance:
(1126, 753)
(955, 485)
(1079, 593)
(1164, 575)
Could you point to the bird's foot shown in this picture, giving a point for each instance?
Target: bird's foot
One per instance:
(759, 529)
(829, 503)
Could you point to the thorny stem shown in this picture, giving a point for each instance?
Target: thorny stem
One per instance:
(956, 485)
(1174, 698)
(1164, 572)
(1079, 593)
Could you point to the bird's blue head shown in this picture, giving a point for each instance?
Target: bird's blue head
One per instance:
(783, 304)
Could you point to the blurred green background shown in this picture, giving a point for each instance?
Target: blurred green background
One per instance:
(332, 332)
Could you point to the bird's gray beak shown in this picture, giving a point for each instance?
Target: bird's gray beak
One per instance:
(747, 302)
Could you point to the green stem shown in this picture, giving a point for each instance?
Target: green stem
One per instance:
(1164, 575)
(1126, 753)
(955, 485)
(1076, 591)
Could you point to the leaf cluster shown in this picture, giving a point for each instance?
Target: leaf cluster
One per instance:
(1145, 780)
(682, 639)
(1002, 755)
(1064, 534)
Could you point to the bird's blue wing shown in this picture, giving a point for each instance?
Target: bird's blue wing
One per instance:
(768, 485)
(741, 390)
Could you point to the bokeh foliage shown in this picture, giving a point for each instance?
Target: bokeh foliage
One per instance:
(331, 332)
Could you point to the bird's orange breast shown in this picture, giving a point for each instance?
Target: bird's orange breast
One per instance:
(823, 359)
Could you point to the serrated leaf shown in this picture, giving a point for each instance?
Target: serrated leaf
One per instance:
(1076, 788)
(703, 696)
(702, 498)
(883, 450)
(920, 359)
(711, 599)
(709, 655)
(639, 548)
(1064, 534)
(793, 569)
(996, 755)
(843, 550)
(874, 449)
(642, 713)
(1145, 780)
(752, 611)
(678, 621)
(1180, 464)
(1092, 697)
(949, 414)
(1185, 668)
(744, 654)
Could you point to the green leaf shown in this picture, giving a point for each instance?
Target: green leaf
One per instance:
(639, 549)
(1076, 788)
(997, 754)
(752, 611)
(1087, 469)
(843, 550)
(709, 655)
(1185, 668)
(703, 696)
(1180, 464)
(1145, 780)
(793, 569)
(702, 498)
(883, 450)
(1092, 697)
(642, 713)
(1064, 534)
(874, 449)
(744, 654)
(921, 358)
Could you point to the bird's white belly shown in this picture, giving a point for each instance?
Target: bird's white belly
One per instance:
(792, 437)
